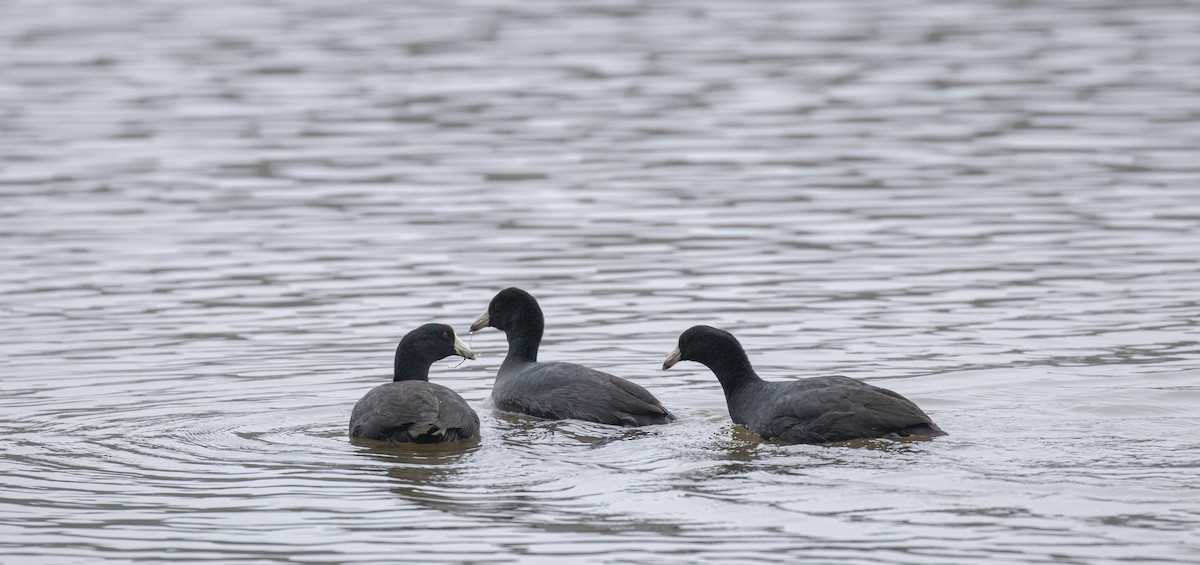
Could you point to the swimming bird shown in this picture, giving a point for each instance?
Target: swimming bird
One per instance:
(558, 391)
(412, 409)
(812, 410)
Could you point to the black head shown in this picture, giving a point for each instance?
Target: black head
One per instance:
(432, 342)
(706, 345)
(509, 309)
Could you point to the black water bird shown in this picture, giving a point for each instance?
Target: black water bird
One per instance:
(558, 391)
(812, 410)
(412, 409)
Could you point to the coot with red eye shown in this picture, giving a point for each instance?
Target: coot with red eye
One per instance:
(410, 408)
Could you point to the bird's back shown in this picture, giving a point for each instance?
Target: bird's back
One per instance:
(825, 409)
(413, 411)
(570, 391)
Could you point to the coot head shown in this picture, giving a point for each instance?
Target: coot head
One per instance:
(509, 309)
(706, 345)
(432, 342)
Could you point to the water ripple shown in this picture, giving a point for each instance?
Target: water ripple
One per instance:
(217, 220)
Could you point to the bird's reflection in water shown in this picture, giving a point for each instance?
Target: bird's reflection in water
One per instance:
(736, 451)
(425, 473)
(389, 451)
(745, 439)
(526, 430)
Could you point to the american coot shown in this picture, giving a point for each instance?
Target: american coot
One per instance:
(412, 409)
(558, 390)
(814, 410)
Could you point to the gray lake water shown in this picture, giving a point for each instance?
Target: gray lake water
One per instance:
(217, 218)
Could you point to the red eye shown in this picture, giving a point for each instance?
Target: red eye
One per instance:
(445, 335)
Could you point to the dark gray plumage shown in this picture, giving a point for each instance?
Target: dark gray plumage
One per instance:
(814, 410)
(412, 409)
(558, 391)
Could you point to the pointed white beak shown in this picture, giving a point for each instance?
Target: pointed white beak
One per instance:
(672, 359)
(462, 349)
(482, 322)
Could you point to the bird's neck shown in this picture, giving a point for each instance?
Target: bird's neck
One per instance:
(409, 367)
(735, 373)
(524, 340)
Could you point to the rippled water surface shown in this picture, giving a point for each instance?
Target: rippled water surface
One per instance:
(217, 218)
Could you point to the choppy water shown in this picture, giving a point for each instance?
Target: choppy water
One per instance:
(218, 217)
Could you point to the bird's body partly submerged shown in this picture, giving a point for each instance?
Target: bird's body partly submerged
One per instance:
(412, 409)
(826, 409)
(561, 391)
(558, 391)
(812, 410)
